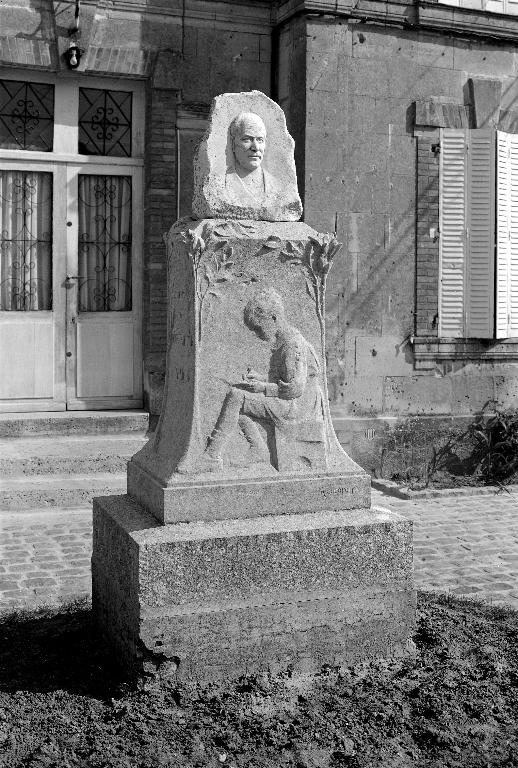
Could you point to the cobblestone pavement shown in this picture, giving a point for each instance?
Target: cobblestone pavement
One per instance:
(44, 556)
(464, 545)
(467, 546)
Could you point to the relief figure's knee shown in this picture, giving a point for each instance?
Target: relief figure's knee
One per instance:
(234, 397)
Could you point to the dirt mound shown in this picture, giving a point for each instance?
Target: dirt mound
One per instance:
(455, 704)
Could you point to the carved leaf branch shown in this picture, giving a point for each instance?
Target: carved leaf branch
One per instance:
(196, 246)
(315, 262)
(217, 271)
(320, 257)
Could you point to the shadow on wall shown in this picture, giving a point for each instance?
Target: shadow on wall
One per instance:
(376, 285)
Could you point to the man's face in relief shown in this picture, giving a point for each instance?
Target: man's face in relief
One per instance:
(249, 144)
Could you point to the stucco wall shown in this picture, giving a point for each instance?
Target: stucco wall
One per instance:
(360, 89)
(361, 85)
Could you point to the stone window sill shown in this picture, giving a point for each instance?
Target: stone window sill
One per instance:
(431, 350)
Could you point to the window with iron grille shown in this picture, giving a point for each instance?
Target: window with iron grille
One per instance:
(26, 115)
(104, 122)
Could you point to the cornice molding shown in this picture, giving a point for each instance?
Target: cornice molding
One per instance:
(467, 22)
(418, 14)
(253, 16)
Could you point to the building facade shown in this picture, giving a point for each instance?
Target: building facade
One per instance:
(405, 118)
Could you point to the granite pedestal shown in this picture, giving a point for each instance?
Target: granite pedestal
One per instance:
(205, 600)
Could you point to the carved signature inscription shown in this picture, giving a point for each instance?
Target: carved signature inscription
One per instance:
(336, 491)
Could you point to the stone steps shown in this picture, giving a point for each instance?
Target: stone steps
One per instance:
(72, 423)
(49, 491)
(52, 460)
(67, 455)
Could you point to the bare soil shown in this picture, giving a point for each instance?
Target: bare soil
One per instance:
(455, 704)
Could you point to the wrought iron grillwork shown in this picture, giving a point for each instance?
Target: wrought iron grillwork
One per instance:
(104, 122)
(26, 115)
(25, 241)
(104, 243)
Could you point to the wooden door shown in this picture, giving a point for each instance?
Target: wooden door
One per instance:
(104, 293)
(32, 293)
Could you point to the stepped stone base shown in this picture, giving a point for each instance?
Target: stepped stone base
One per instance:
(219, 499)
(203, 600)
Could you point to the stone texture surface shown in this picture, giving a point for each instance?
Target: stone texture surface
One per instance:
(215, 269)
(328, 587)
(215, 163)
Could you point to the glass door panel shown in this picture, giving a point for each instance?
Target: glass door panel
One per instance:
(25, 241)
(104, 243)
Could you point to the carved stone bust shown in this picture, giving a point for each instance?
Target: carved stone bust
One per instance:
(244, 167)
(247, 181)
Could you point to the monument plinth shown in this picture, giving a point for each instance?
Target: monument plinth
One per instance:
(247, 540)
(232, 444)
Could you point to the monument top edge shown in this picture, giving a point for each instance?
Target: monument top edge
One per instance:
(252, 229)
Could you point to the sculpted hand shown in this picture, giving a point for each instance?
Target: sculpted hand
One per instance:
(253, 385)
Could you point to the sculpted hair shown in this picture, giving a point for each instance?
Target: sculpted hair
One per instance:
(242, 118)
(263, 303)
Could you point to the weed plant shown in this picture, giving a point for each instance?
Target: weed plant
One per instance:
(487, 452)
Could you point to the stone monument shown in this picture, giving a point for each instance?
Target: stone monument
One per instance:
(247, 540)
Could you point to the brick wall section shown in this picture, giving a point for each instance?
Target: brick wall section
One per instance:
(427, 265)
(159, 214)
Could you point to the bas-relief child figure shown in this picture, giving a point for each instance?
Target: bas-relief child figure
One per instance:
(291, 392)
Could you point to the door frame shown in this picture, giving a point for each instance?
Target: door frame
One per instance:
(54, 317)
(73, 317)
(64, 152)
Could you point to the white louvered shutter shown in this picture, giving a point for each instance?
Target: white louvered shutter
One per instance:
(507, 236)
(480, 287)
(503, 234)
(452, 224)
(513, 267)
